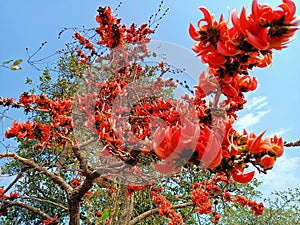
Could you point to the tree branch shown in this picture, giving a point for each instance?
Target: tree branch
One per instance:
(20, 105)
(80, 158)
(156, 210)
(8, 204)
(46, 201)
(292, 144)
(77, 153)
(19, 176)
(55, 178)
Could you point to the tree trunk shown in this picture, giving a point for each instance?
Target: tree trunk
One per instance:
(74, 199)
(127, 210)
(74, 212)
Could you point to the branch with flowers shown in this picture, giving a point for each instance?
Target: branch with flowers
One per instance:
(106, 142)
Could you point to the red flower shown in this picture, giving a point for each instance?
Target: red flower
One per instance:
(42, 132)
(20, 130)
(257, 145)
(98, 213)
(75, 182)
(50, 221)
(201, 198)
(230, 89)
(27, 98)
(205, 85)
(227, 48)
(239, 176)
(14, 195)
(267, 162)
(266, 28)
(209, 149)
(175, 139)
(277, 146)
(214, 58)
(132, 188)
(247, 83)
(208, 35)
(2, 189)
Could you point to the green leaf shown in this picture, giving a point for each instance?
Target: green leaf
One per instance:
(17, 62)
(46, 75)
(6, 62)
(105, 215)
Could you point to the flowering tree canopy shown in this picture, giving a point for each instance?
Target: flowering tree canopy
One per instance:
(109, 142)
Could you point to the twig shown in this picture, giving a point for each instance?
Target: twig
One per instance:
(292, 144)
(20, 174)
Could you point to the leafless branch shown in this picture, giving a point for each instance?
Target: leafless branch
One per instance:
(292, 144)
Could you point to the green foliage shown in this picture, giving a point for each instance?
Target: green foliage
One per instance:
(282, 207)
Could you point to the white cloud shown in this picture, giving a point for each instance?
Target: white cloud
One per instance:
(263, 104)
(279, 132)
(282, 176)
(250, 119)
(256, 102)
(254, 111)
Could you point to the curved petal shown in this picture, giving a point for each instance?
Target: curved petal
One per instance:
(244, 21)
(227, 50)
(255, 10)
(254, 145)
(289, 7)
(239, 176)
(193, 33)
(258, 42)
(207, 16)
(267, 162)
(236, 20)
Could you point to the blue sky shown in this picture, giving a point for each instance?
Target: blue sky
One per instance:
(274, 106)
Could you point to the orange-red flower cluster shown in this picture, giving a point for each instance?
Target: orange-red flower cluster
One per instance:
(132, 188)
(50, 221)
(206, 191)
(29, 130)
(75, 182)
(269, 148)
(256, 208)
(232, 51)
(175, 139)
(266, 28)
(58, 109)
(113, 34)
(12, 196)
(163, 129)
(165, 209)
(202, 195)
